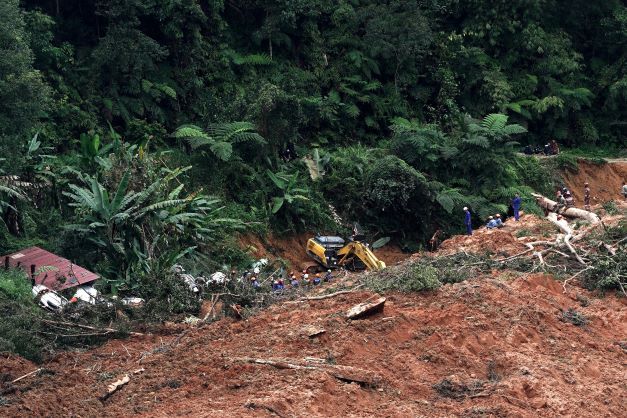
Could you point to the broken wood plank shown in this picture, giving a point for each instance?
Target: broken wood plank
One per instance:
(114, 387)
(366, 308)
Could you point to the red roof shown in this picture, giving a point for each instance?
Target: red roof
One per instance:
(51, 270)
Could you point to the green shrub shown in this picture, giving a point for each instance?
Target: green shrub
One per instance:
(610, 207)
(14, 285)
(21, 317)
(415, 278)
(576, 318)
(607, 273)
(568, 162)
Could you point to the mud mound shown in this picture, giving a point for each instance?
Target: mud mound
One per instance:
(494, 241)
(605, 180)
(485, 347)
(291, 249)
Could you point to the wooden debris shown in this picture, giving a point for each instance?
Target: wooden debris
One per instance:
(344, 373)
(330, 295)
(313, 332)
(26, 375)
(366, 308)
(114, 387)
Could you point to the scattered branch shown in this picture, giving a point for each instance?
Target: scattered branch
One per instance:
(26, 375)
(330, 295)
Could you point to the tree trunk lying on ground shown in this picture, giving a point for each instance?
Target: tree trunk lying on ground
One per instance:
(549, 204)
(344, 373)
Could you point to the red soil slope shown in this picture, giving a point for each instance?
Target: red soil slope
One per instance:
(605, 180)
(499, 338)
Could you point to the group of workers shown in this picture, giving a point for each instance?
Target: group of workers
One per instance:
(495, 221)
(304, 280)
(279, 283)
(564, 200)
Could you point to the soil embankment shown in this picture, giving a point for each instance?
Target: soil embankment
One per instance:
(605, 180)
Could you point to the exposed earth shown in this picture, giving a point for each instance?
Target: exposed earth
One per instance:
(500, 344)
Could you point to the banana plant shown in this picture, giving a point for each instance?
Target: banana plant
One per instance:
(289, 192)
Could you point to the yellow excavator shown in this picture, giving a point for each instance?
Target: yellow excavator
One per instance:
(333, 252)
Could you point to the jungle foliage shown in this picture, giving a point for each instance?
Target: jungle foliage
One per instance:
(139, 133)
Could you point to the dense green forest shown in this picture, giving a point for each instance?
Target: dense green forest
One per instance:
(135, 133)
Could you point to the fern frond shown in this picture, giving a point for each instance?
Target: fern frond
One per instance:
(494, 122)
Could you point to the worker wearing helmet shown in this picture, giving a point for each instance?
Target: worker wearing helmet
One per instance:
(491, 222)
(254, 282)
(498, 220)
(586, 196)
(317, 279)
(328, 276)
(516, 201)
(561, 202)
(467, 221)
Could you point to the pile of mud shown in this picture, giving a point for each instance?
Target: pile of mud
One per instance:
(495, 346)
(505, 241)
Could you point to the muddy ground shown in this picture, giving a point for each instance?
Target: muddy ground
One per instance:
(494, 346)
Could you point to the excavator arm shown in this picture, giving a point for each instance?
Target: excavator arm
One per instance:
(363, 253)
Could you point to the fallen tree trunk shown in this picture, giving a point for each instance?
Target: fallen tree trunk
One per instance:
(344, 373)
(549, 204)
(563, 225)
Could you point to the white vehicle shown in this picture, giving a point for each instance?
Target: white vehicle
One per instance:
(218, 278)
(48, 298)
(189, 280)
(86, 293)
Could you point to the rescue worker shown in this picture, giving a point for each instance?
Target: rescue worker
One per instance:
(328, 276)
(586, 196)
(467, 221)
(560, 202)
(624, 189)
(254, 282)
(568, 196)
(294, 281)
(281, 284)
(305, 278)
(516, 202)
(317, 280)
(499, 221)
(491, 223)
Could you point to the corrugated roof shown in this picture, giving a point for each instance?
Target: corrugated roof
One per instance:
(51, 270)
